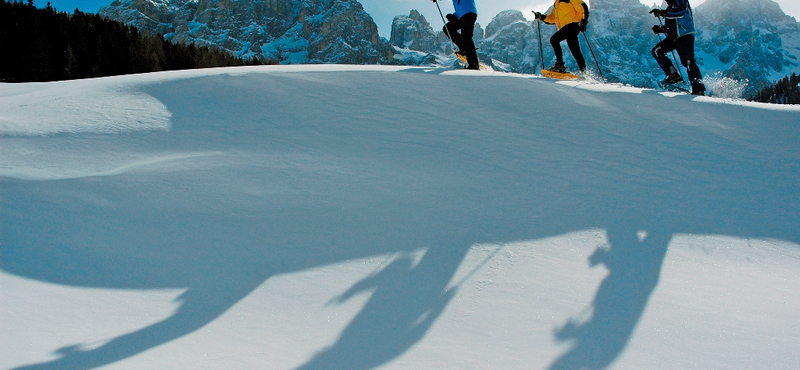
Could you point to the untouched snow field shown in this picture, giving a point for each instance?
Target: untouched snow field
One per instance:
(358, 217)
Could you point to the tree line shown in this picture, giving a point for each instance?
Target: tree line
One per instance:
(785, 91)
(46, 45)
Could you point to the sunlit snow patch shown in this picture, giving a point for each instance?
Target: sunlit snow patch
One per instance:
(85, 106)
(48, 319)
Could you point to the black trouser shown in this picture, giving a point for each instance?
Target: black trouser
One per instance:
(570, 33)
(463, 39)
(684, 45)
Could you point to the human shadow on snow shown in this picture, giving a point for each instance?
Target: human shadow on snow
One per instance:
(406, 301)
(634, 263)
(307, 178)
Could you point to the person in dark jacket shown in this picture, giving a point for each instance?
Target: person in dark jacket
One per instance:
(570, 17)
(461, 27)
(679, 33)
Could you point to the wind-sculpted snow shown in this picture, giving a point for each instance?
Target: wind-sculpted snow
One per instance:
(89, 106)
(361, 217)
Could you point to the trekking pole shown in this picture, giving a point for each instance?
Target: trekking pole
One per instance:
(446, 30)
(541, 50)
(594, 57)
(674, 58)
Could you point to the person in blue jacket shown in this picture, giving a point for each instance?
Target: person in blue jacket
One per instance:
(679, 35)
(460, 27)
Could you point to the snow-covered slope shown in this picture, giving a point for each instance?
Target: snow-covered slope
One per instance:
(343, 217)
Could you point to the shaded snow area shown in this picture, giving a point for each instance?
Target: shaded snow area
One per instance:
(360, 217)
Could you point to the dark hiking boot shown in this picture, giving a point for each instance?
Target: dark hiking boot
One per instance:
(473, 63)
(559, 67)
(698, 88)
(673, 78)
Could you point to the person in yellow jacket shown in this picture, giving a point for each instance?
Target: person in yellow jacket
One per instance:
(570, 17)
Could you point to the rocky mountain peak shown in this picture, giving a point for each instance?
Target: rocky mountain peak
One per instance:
(748, 39)
(760, 11)
(503, 19)
(413, 32)
(289, 31)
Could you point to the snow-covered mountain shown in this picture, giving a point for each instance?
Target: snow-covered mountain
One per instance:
(746, 40)
(751, 41)
(414, 32)
(619, 26)
(289, 31)
(621, 35)
(511, 40)
(386, 217)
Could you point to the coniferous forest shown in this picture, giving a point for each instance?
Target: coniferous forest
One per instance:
(45, 45)
(785, 91)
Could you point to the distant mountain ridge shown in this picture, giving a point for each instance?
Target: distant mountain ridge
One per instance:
(289, 31)
(750, 40)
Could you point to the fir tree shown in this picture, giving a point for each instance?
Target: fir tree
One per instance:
(784, 91)
(47, 45)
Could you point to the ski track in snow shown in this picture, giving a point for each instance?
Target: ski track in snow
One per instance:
(328, 216)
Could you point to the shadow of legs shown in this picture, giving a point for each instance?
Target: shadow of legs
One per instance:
(405, 302)
(634, 262)
(198, 309)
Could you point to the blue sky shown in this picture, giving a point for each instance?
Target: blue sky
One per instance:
(384, 11)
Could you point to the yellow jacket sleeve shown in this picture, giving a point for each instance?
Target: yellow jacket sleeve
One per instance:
(566, 12)
(551, 18)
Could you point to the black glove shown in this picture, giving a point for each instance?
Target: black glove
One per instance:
(659, 12)
(451, 18)
(540, 16)
(582, 25)
(658, 29)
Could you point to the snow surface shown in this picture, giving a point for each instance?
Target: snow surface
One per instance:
(356, 217)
